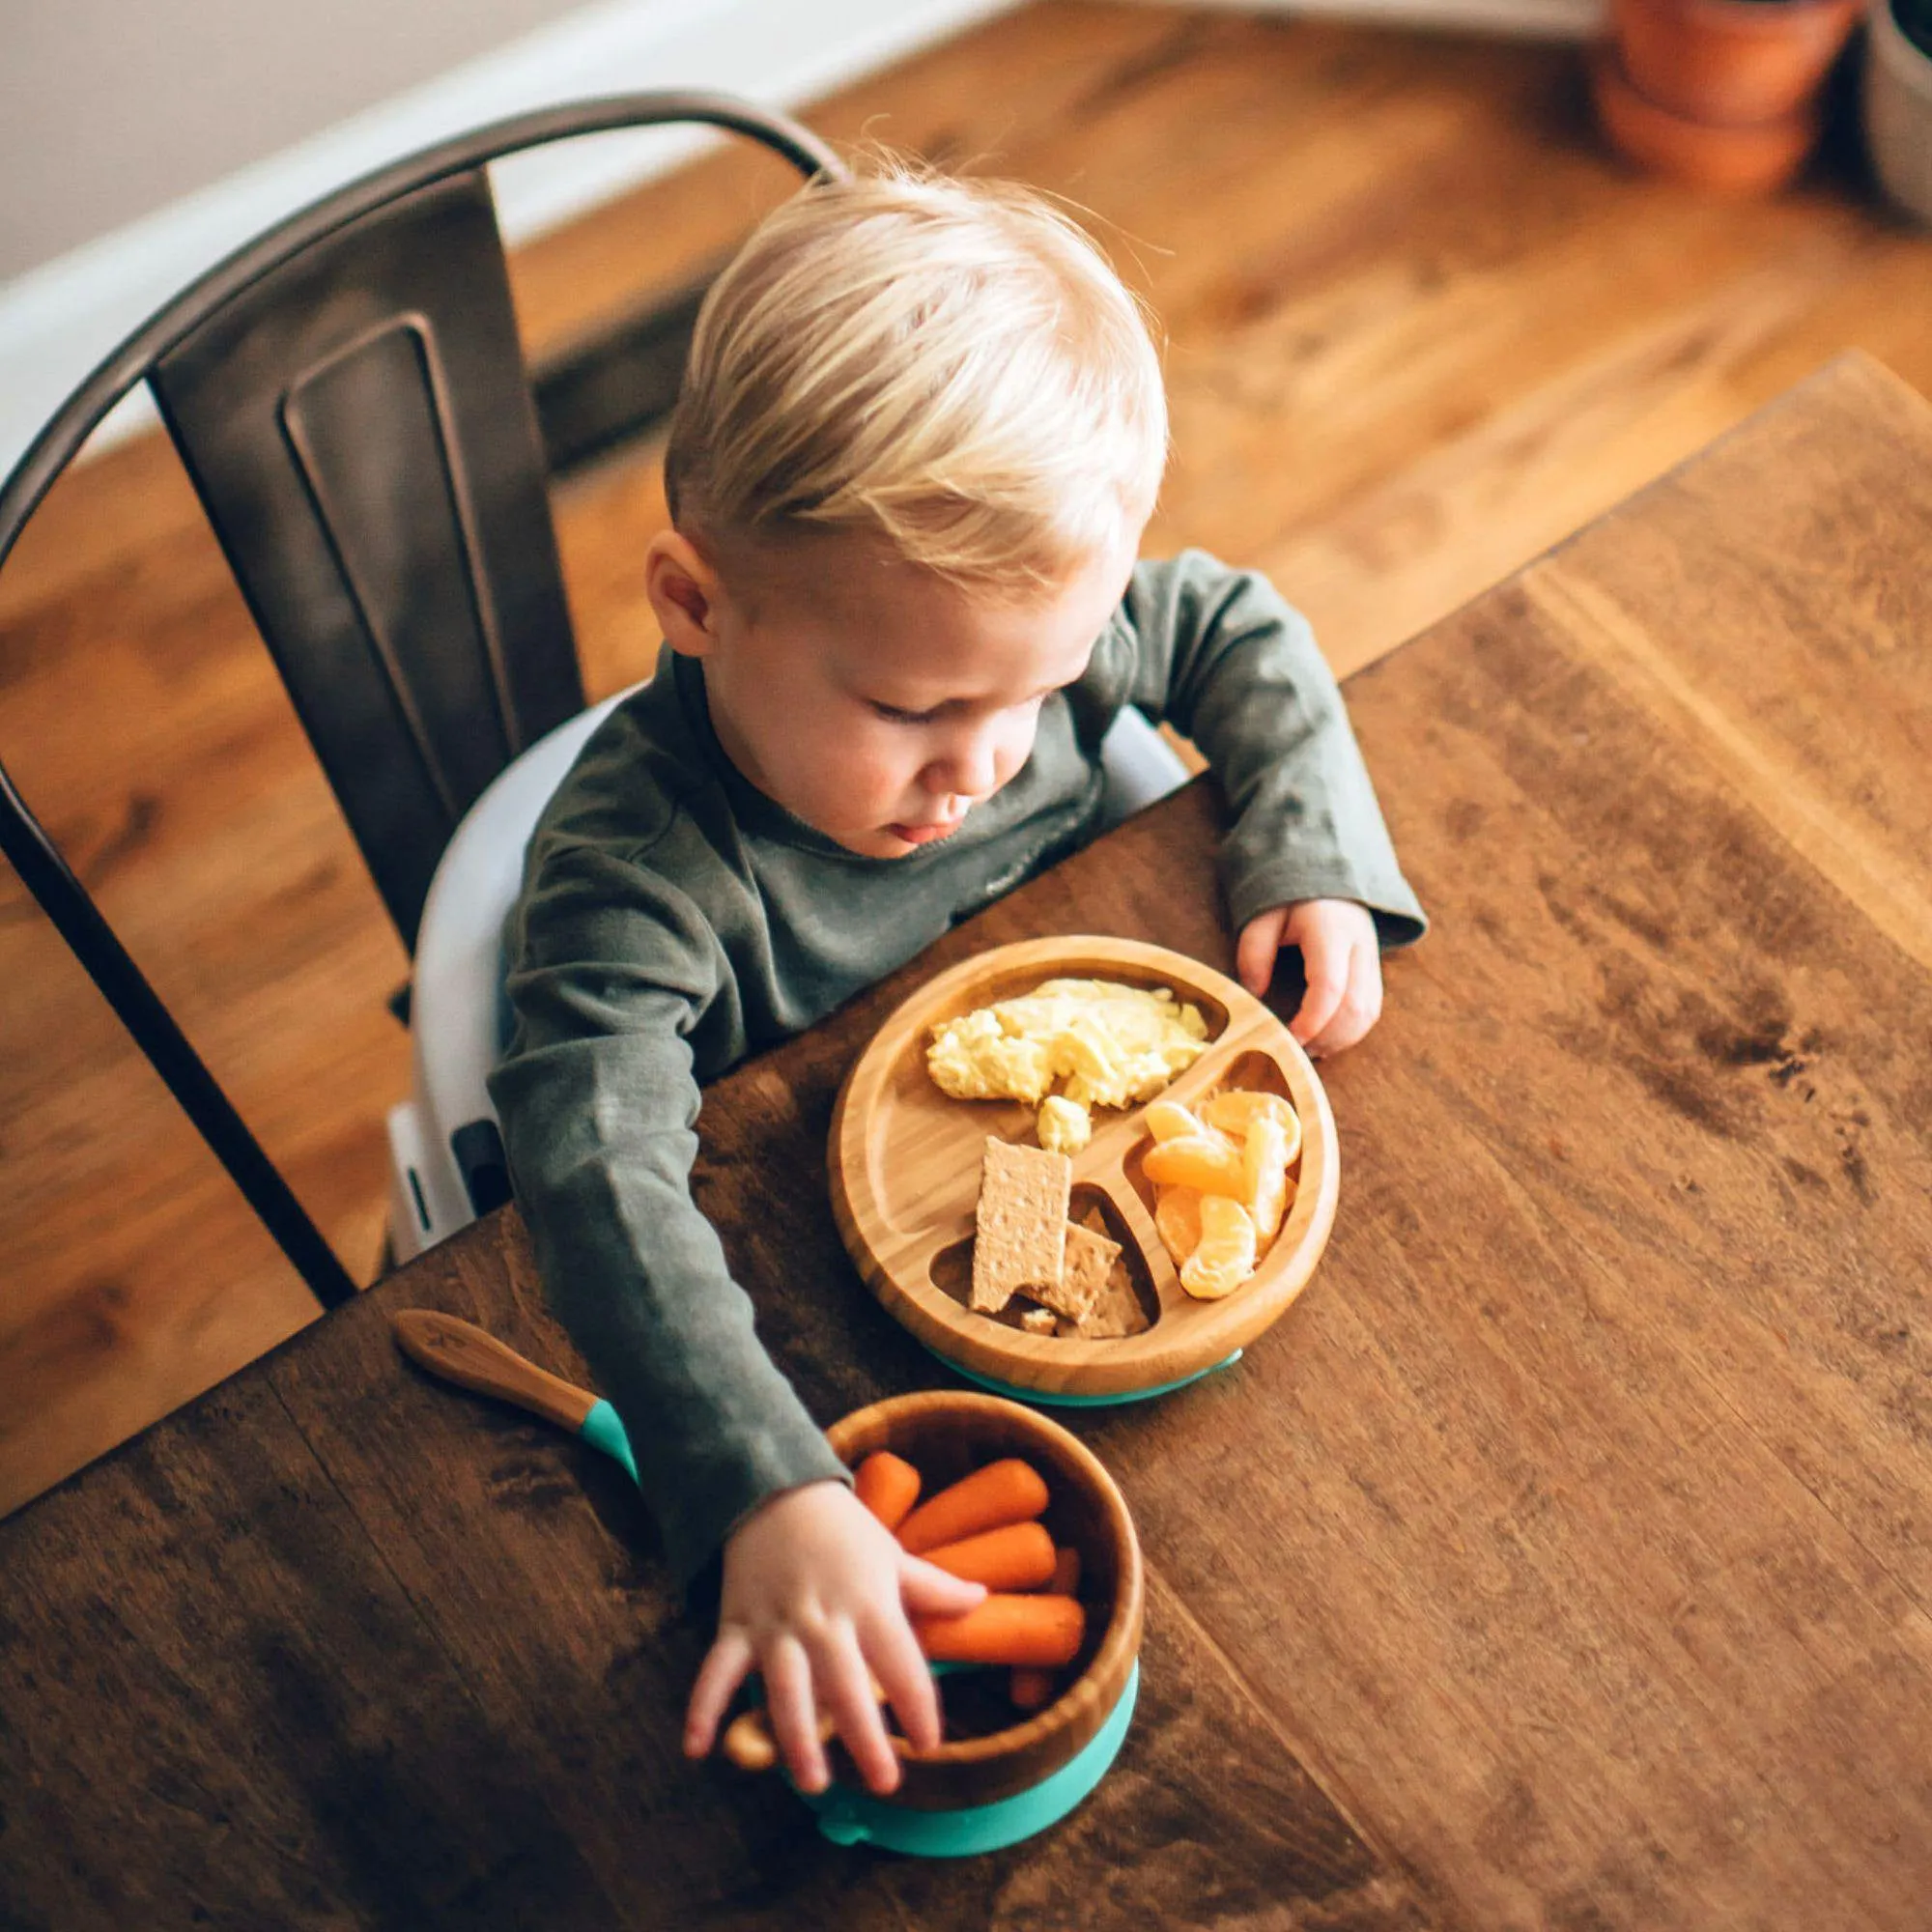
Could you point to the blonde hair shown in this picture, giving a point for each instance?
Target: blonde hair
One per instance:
(949, 364)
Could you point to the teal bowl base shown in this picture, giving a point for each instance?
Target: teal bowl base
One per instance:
(1050, 1399)
(849, 1817)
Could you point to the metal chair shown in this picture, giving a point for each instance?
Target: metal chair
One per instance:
(350, 400)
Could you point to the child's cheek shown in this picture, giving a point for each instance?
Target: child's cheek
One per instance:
(876, 767)
(1018, 747)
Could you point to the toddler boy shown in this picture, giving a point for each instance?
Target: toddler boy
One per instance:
(921, 431)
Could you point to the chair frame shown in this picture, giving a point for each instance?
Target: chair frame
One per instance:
(25, 843)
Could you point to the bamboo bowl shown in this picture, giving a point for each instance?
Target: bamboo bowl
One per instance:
(904, 1162)
(945, 1435)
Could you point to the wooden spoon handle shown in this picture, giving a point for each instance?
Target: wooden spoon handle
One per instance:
(461, 1352)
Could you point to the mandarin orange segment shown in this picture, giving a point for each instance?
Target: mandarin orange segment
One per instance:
(1265, 1161)
(1170, 1121)
(1237, 1110)
(1177, 1219)
(1213, 1166)
(1226, 1256)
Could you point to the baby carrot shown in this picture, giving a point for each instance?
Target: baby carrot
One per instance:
(888, 1485)
(1015, 1556)
(1031, 1690)
(1044, 1632)
(1002, 1492)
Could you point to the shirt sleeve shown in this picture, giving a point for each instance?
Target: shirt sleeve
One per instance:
(612, 972)
(1222, 656)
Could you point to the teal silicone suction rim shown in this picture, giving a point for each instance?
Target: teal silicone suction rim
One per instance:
(1050, 1399)
(850, 1817)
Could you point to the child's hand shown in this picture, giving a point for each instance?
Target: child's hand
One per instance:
(1342, 961)
(816, 1599)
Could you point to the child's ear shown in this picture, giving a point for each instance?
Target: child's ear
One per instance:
(683, 592)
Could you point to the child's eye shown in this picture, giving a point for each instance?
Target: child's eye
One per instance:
(893, 715)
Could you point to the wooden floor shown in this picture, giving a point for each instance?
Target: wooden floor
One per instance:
(1419, 328)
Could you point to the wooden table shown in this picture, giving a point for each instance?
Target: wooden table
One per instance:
(1562, 1560)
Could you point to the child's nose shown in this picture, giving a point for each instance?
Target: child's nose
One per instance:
(969, 766)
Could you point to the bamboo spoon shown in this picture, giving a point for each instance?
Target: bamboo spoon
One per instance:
(461, 1352)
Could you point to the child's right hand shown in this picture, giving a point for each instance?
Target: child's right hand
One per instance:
(817, 1597)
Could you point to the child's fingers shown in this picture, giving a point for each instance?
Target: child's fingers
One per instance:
(1360, 1006)
(929, 1591)
(787, 1675)
(899, 1665)
(844, 1687)
(1327, 967)
(1255, 952)
(925, 1590)
(726, 1666)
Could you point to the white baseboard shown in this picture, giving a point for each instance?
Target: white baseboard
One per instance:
(1530, 19)
(58, 321)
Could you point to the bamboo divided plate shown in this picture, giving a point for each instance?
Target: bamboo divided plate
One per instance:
(905, 1161)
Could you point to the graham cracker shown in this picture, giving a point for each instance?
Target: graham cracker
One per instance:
(1019, 1241)
(1116, 1310)
(1084, 1276)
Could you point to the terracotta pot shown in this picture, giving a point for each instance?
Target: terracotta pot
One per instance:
(1754, 160)
(1730, 62)
(1899, 111)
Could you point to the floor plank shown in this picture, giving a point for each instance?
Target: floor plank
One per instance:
(1419, 328)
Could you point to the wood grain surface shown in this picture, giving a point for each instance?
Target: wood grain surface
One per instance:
(1419, 327)
(507, 1574)
(1558, 1561)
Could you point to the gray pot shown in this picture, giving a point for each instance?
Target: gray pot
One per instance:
(1898, 113)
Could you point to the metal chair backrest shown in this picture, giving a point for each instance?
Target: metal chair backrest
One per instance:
(351, 401)
(361, 432)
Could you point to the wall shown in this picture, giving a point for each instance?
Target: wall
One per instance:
(59, 319)
(131, 104)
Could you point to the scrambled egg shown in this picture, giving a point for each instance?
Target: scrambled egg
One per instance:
(1110, 1046)
(1064, 1126)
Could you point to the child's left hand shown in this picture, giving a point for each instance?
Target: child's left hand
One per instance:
(1342, 961)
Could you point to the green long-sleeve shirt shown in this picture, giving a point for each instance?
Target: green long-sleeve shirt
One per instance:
(674, 919)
